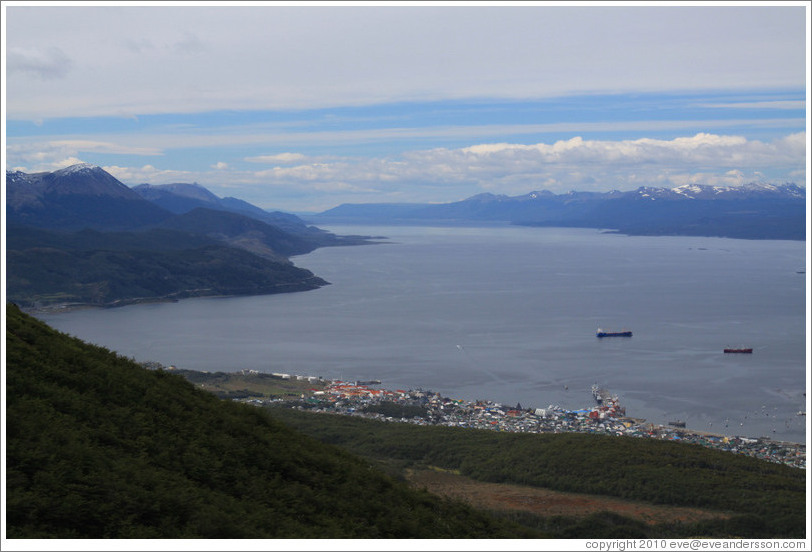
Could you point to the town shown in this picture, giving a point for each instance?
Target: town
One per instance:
(607, 416)
(423, 407)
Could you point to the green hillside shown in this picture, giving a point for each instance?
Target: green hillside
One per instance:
(764, 500)
(99, 447)
(110, 269)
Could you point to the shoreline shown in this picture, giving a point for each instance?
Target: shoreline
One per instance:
(350, 399)
(364, 398)
(698, 432)
(59, 308)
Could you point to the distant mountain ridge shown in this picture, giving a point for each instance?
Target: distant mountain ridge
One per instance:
(79, 196)
(181, 198)
(86, 196)
(80, 236)
(752, 211)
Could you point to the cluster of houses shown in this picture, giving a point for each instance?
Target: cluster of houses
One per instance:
(606, 417)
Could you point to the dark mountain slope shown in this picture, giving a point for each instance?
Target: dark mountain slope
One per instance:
(743, 218)
(177, 198)
(768, 218)
(80, 196)
(85, 196)
(46, 268)
(126, 248)
(99, 447)
(157, 239)
(182, 198)
(240, 231)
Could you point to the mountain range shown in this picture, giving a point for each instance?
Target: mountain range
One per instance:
(80, 236)
(752, 211)
(86, 196)
(181, 198)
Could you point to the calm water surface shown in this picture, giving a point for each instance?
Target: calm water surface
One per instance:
(509, 314)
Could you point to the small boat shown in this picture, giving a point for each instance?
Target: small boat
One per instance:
(677, 423)
(604, 333)
(740, 350)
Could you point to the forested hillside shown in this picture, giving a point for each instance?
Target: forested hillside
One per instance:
(116, 268)
(100, 447)
(760, 499)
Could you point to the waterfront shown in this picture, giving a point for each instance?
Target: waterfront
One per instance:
(607, 417)
(509, 315)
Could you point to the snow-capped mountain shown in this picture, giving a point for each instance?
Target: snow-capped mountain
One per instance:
(86, 179)
(79, 179)
(78, 196)
(756, 210)
(750, 190)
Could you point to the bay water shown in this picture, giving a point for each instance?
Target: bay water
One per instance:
(510, 314)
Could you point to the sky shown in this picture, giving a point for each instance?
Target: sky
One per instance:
(304, 106)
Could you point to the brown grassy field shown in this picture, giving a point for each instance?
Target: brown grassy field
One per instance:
(544, 502)
(258, 385)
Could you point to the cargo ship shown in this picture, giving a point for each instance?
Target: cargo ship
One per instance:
(604, 333)
(740, 350)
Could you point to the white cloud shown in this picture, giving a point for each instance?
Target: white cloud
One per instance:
(45, 63)
(700, 150)
(46, 164)
(62, 163)
(575, 163)
(296, 181)
(41, 151)
(45, 155)
(96, 146)
(147, 174)
(442, 174)
(277, 158)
